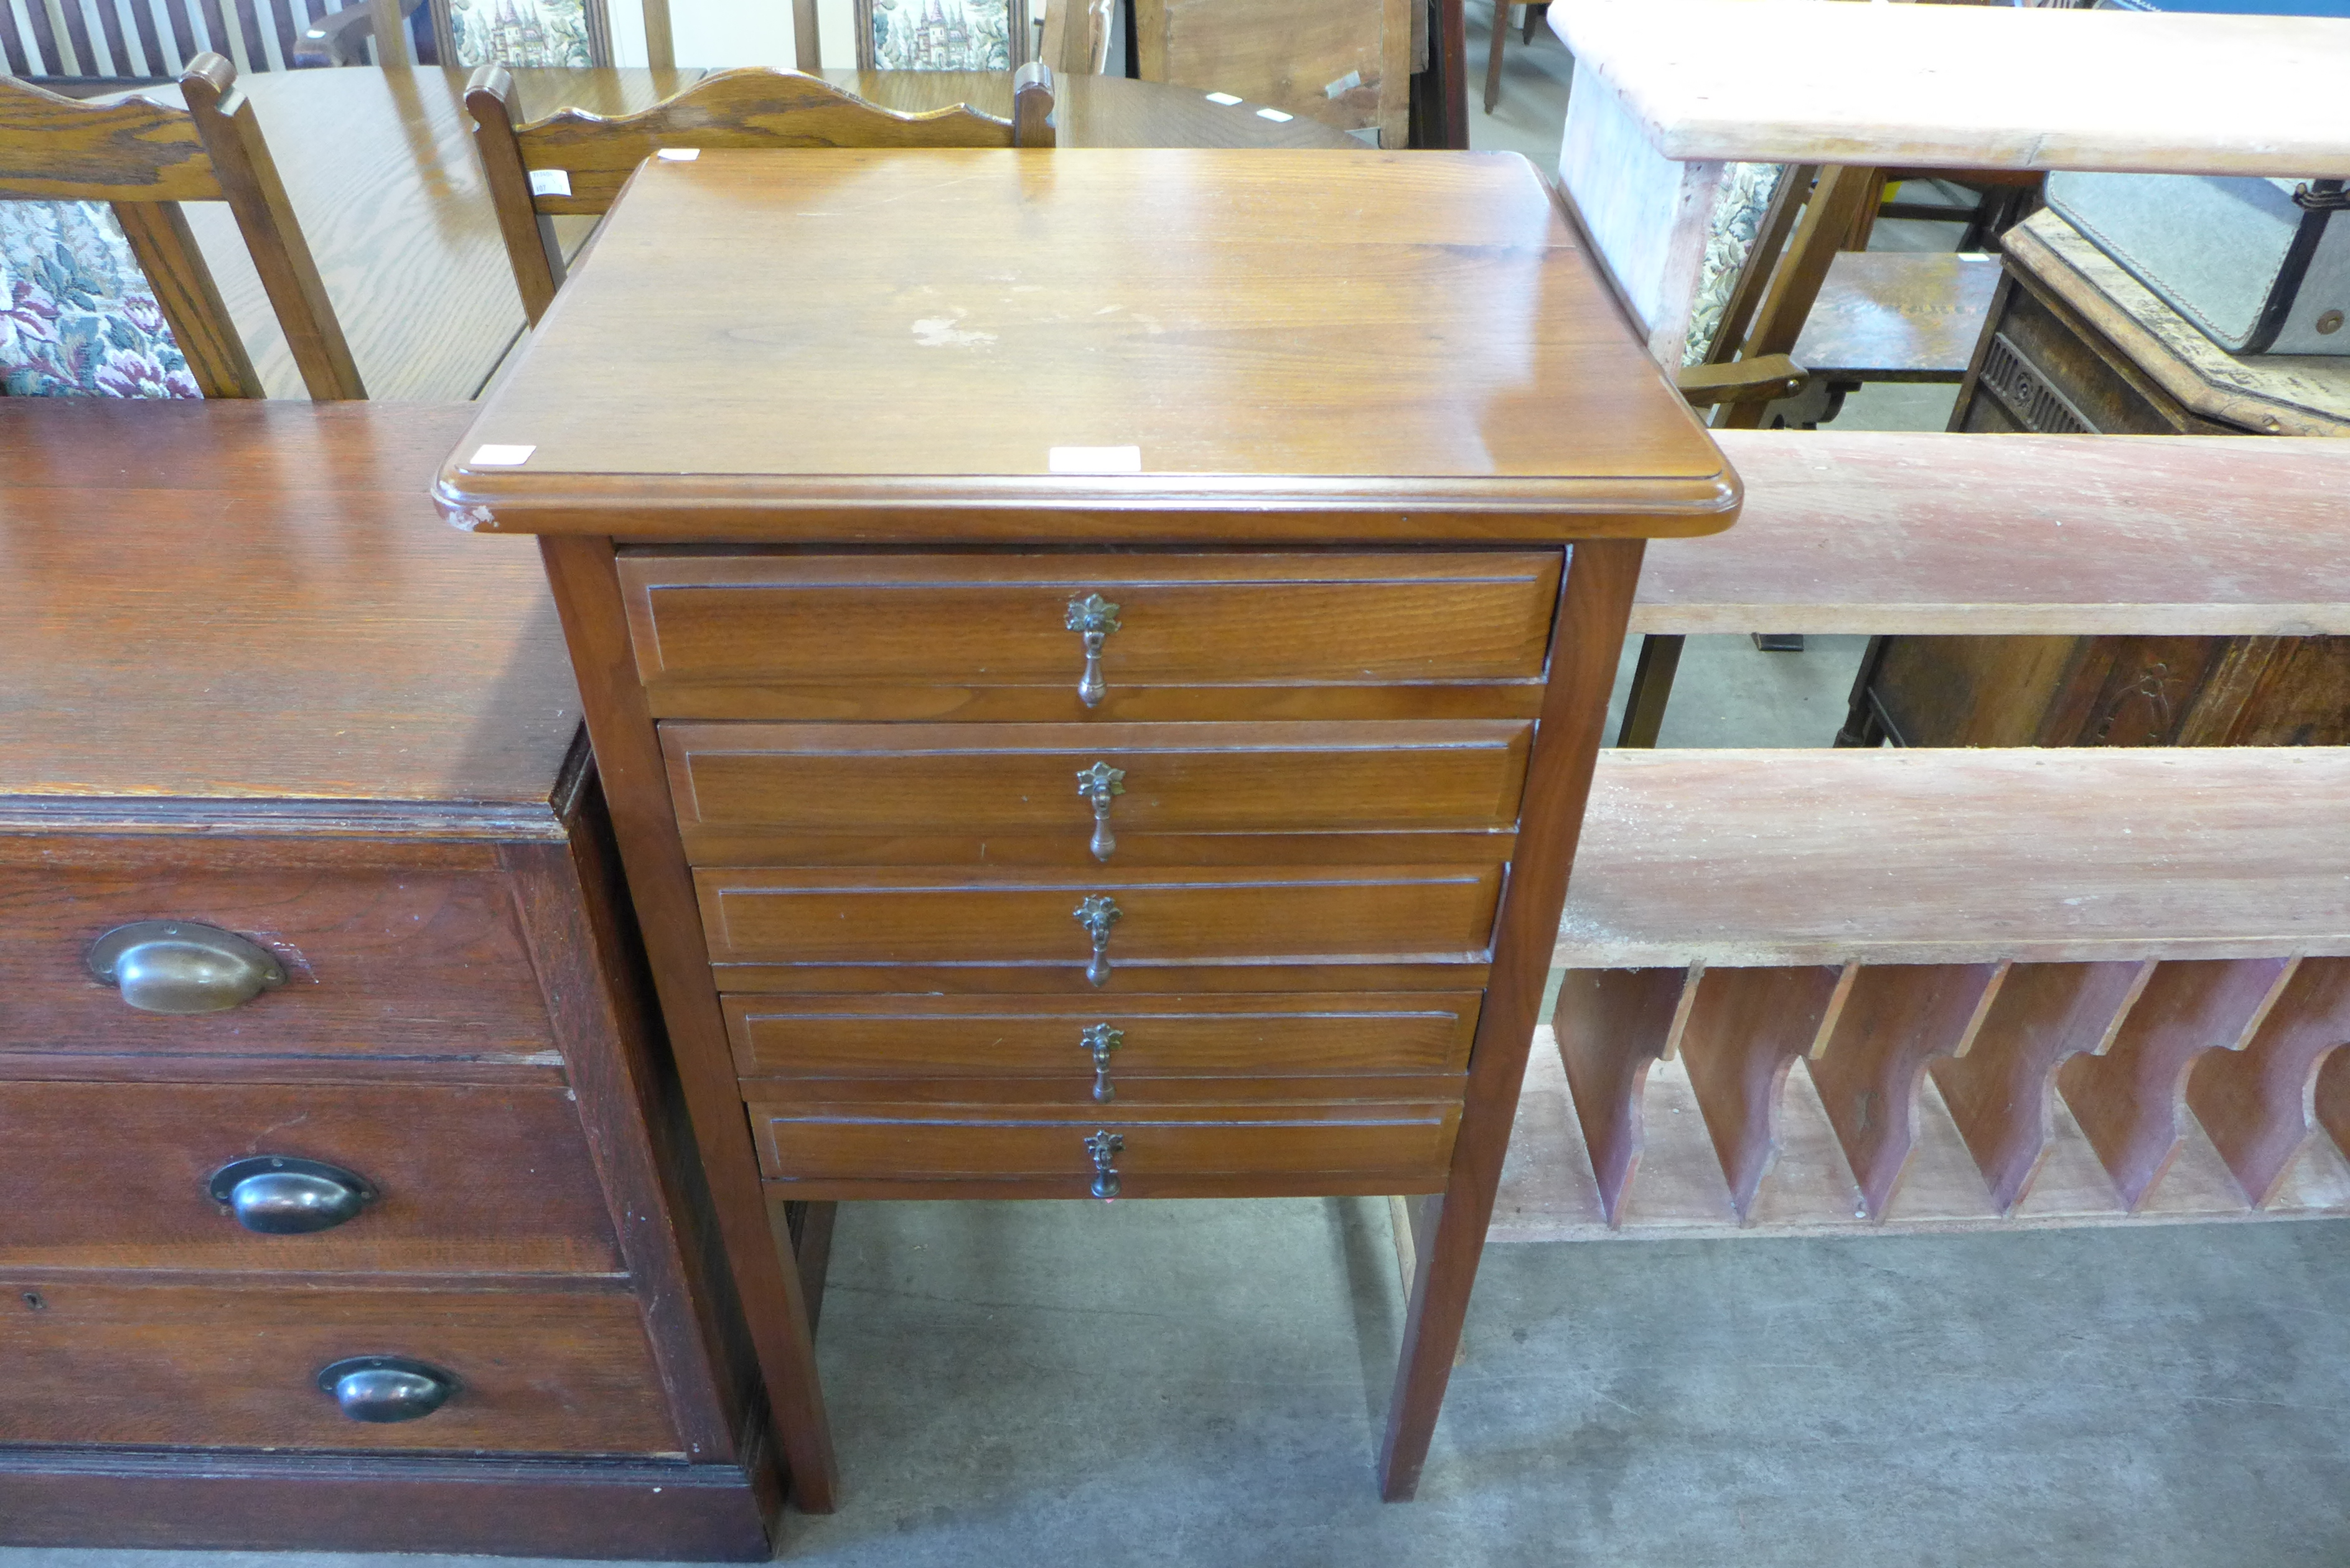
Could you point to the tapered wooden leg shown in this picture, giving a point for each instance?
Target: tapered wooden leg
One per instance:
(1652, 686)
(1493, 53)
(1586, 641)
(1861, 728)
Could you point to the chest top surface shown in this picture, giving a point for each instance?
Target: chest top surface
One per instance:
(827, 345)
(244, 601)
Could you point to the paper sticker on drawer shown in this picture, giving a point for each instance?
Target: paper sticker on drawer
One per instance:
(1094, 459)
(550, 182)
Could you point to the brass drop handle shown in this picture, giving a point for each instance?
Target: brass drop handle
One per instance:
(1105, 1147)
(1097, 914)
(181, 966)
(1094, 617)
(1100, 1040)
(278, 1195)
(1102, 784)
(385, 1388)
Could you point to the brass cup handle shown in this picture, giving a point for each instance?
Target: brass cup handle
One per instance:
(385, 1388)
(1097, 914)
(1100, 785)
(183, 967)
(277, 1194)
(1105, 1147)
(1099, 1039)
(1092, 618)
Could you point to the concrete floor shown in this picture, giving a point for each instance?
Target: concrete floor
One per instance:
(1202, 1384)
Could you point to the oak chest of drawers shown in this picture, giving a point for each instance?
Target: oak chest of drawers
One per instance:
(345, 1201)
(1122, 734)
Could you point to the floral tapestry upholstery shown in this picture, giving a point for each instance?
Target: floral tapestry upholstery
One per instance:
(1739, 208)
(76, 318)
(522, 33)
(941, 34)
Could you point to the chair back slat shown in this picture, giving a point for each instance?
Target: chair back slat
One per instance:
(185, 43)
(158, 61)
(119, 61)
(48, 60)
(77, 34)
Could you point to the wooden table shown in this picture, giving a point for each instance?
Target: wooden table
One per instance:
(1187, 868)
(381, 167)
(254, 693)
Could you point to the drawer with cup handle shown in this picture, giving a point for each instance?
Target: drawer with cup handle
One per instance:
(264, 949)
(399, 1178)
(1084, 794)
(99, 1359)
(1376, 635)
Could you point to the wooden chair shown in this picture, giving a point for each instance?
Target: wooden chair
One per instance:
(105, 46)
(145, 158)
(576, 164)
(1347, 63)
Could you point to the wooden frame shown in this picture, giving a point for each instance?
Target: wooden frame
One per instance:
(146, 157)
(753, 107)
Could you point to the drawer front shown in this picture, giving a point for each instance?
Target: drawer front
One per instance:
(1409, 1141)
(1020, 791)
(171, 1365)
(1434, 914)
(383, 960)
(464, 1179)
(975, 637)
(1273, 1036)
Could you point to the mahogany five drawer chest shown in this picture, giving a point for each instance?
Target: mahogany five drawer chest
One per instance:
(343, 1199)
(1097, 659)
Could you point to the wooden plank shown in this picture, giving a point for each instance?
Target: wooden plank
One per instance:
(2130, 1099)
(1961, 856)
(1865, 532)
(1897, 315)
(2000, 1094)
(2257, 1104)
(1965, 87)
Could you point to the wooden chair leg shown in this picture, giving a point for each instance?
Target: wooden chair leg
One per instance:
(1535, 11)
(1493, 55)
(1652, 686)
(1587, 644)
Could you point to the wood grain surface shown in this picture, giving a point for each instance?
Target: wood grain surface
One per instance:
(101, 1360)
(2005, 89)
(823, 637)
(1961, 856)
(1009, 786)
(326, 641)
(387, 953)
(1346, 63)
(473, 1180)
(1092, 110)
(1204, 1038)
(1404, 405)
(1862, 532)
(140, 149)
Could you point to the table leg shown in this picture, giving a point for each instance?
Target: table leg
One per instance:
(1652, 686)
(1593, 607)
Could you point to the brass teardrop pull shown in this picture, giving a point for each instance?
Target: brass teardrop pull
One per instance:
(1101, 783)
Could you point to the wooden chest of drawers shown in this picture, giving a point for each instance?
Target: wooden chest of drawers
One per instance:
(345, 1205)
(1177, 820)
